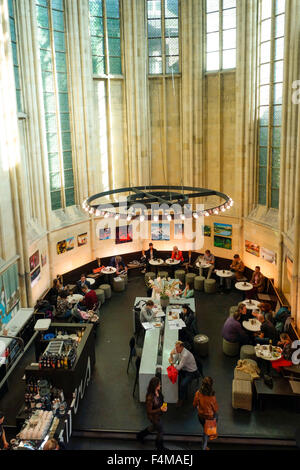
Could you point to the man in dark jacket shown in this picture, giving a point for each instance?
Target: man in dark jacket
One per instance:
(233, 332)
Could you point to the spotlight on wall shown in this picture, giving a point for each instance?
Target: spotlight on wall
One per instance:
(117, 216)
(169, 217)
(155, 218)
(195, 215)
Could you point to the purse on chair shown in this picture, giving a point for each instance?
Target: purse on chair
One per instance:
(210, 429)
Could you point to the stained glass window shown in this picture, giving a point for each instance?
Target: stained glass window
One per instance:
(52, 44)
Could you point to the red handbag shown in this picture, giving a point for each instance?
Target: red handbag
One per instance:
(172, 373)
(210, 428)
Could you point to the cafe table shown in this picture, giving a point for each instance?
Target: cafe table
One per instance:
(156, 263)
(203, 265)
(171, 261)
(252, 325)
(244, 286)
(251, 304)
(148, 361)
(90, 280)
(74, 298)
(109, 271)
(222, 274)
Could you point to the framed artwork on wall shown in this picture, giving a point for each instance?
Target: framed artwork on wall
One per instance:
(82, 239)
(124, 234)
(34, 260)
(160, 231)
(105, 233)
(70, 243)
(61, 247)
(252, 248)
(268, 255)
(206, 230)
(223, 242)
(223, 230)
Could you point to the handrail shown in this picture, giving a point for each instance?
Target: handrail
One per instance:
(17, 338)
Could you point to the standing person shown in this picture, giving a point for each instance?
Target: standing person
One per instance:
(184, 361)
(210, 259)
(155, 408)
(2, 432)
(207, 406)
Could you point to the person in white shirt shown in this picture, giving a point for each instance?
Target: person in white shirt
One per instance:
(186, 365)
(210, 259)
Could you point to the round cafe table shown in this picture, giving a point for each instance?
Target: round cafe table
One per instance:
(251, 304)
(109, 271)
(91, 280)
(224, 273)
(171, 261)
(156, 263)
(244, 286)
(203, 265)
(74, 298)
(252, 325)
(262, 351)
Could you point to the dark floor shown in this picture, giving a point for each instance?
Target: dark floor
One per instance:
(108, 403)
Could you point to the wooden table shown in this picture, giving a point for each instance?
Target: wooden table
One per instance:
(281, 390)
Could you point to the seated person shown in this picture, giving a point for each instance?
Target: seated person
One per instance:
(238, 267)
(208, 258)
(187, 334)
(267, 331)
(188, 262)
(266, 309)
(176, 254)
(63, 307)
(54, 291)
(233, 332)
(245, 314)
(258, 280)
(147, 314)
(118, 263)
(285, 343)
(187, 292)
(151, 253)
(184, 361)
(83, 281)
(90, 301)
(2, 433)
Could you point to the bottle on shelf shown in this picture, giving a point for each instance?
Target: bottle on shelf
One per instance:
(270, 346)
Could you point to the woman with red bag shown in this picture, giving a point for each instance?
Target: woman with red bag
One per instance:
(207, 407)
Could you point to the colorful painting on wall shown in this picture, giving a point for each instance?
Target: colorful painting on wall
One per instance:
(160, 231)
(206, 230)
(43, 260)
(61, 247)
(34, 260)
(222, 242)
(252, 248)
(223, 230)
(105, 233)
(35, 276)
(70, 243)
(9, 294)
(82, 239)
(178, 230)
(124, 234)
(268, 255)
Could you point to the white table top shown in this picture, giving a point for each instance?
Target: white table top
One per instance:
(252, 325)
(172, 261)
(169, 389)
(223, 273)
(109, 270)
(148, 361)
(251, 306)
(91, 280)
(263, 352)
(173, 302)
(74, 298)
(242, 286)
(156, 262)
(18, 321)
(203, 265)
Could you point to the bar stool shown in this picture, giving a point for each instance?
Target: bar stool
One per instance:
(162, 274)
(230, 349)
(232, 310)
(148, 276)
(118, 284)
(107, 290)
(180, 274)
(199, 283)
(210, 286)
(100, 295)
(189, 279)
(201, 343)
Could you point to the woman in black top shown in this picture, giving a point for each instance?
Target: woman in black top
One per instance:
(155, 408)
